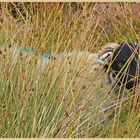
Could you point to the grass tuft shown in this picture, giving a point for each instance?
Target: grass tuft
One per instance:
(65, 99)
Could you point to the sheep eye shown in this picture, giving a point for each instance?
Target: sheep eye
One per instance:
(103, 59)
(105, 56)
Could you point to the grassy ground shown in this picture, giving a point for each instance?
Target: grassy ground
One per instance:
(63, 101)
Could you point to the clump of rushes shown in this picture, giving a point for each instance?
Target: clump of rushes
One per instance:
(65, 100)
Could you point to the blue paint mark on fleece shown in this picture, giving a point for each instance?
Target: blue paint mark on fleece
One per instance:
(28, 52)
(46, 56)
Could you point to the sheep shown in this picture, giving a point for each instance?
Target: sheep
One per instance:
(86, 68)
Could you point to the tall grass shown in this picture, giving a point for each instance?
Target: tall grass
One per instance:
(66, 99)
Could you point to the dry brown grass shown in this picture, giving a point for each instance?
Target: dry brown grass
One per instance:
(49, 106)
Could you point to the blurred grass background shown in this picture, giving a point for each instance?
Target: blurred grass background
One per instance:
(64, 101)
